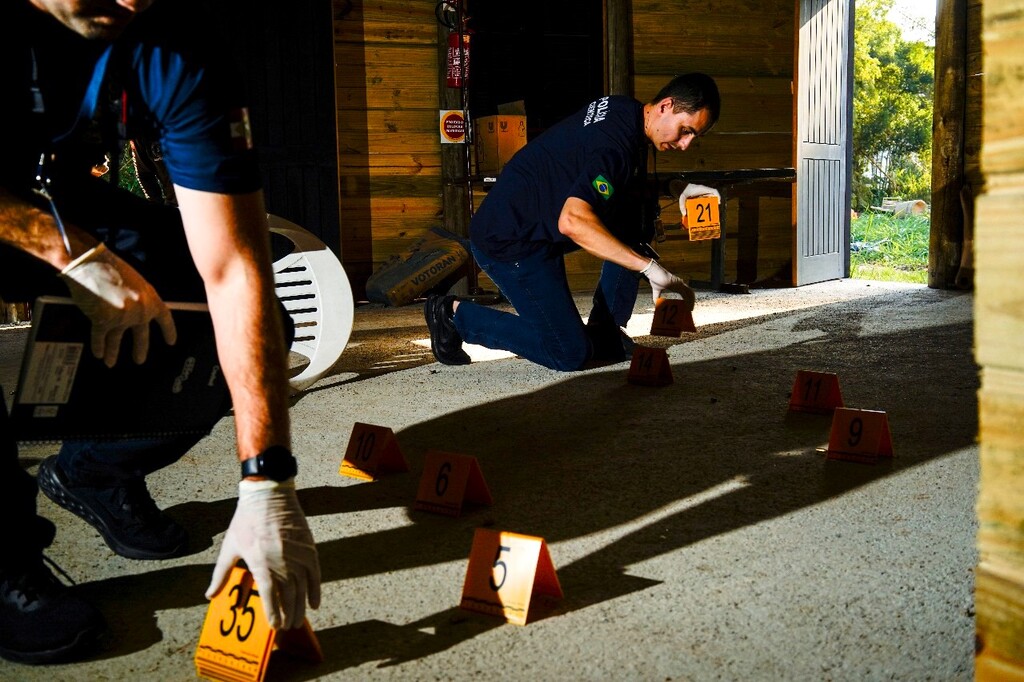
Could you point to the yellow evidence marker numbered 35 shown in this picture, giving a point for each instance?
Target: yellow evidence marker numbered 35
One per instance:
(236, 640)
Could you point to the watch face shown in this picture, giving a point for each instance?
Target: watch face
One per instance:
(276, 463)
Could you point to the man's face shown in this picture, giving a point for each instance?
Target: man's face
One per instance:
(670, 130)
(94, 19)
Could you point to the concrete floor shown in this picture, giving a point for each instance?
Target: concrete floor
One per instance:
(697, 530)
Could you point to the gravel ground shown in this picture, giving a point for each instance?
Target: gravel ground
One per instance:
(697, 530)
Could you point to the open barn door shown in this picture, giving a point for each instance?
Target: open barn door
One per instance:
(823, 146)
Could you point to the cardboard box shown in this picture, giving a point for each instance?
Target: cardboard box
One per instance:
(497, 139)
(511, 137)
(485, 139)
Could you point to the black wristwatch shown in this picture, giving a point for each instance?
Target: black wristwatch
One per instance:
(275, 463)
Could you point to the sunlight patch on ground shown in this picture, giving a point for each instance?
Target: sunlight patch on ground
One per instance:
(577, 548)
(475, 352)
(640, 324)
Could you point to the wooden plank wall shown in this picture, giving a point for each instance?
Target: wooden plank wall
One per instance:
(999, 348)
(973, 113)
(388, 142)
(389, 150)
(752, 61)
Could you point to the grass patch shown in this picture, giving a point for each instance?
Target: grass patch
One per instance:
(883, 247)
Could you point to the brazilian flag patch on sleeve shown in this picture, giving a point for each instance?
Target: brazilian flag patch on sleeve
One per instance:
(603, 187)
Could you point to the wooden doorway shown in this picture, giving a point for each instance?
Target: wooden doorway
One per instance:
(824, 117)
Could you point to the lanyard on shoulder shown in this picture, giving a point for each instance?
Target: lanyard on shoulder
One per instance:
(86, 111)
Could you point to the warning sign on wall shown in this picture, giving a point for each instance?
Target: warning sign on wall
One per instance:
(453, 126)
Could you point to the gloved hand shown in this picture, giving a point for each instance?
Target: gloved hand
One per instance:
(269, 531)
(661, 280)
(692, 190)
(115, 297)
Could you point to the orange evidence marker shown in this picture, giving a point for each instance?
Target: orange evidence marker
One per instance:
(702, 220)
(448, 481)
(505, 571)
(649, 367)
(671, 318)
(372, 451)
(236, 641)
(816, 392)
(859, 436)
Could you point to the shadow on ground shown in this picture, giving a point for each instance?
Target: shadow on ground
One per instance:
(589, 454)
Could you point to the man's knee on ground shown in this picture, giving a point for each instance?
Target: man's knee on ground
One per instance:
(567, 357)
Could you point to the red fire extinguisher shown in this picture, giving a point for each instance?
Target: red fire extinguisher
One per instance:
(458, 60)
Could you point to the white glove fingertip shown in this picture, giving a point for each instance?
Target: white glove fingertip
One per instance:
(225, 561)
(269, 597)
(140, 347)
(313, 587)
(98, 344)
(166, 323)
(294, 598)
(220, 574)
(112, 345)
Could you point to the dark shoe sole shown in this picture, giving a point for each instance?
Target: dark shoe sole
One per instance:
(435, 324)
(55, 489)
(87, 642)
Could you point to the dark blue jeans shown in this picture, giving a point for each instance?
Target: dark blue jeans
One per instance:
(546, 328)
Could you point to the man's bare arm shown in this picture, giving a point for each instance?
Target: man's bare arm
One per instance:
(34, 231)
(580, 223)
(228, 238)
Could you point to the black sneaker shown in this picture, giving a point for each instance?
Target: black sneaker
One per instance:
(125, 516)
(41, 620)
(445, 341)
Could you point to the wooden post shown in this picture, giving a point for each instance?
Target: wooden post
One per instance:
(999, 344)
(619, 31)
(454, 157)
(948, 121)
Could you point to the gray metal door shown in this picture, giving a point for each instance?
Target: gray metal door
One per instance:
(824, 117)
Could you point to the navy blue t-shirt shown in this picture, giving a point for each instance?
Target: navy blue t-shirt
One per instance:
(598, 155)
(163, 82)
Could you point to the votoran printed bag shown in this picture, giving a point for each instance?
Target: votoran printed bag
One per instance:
(430, 260)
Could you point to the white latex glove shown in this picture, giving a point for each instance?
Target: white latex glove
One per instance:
(115, 298)
(269, 531)
(692, 190)
(662, 280)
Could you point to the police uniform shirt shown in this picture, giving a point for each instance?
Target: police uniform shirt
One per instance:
(160, 80)
(597, 155)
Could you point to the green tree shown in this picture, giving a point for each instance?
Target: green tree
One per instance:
(894, 84)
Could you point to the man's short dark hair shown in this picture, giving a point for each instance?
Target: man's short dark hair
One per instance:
(692, 92)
